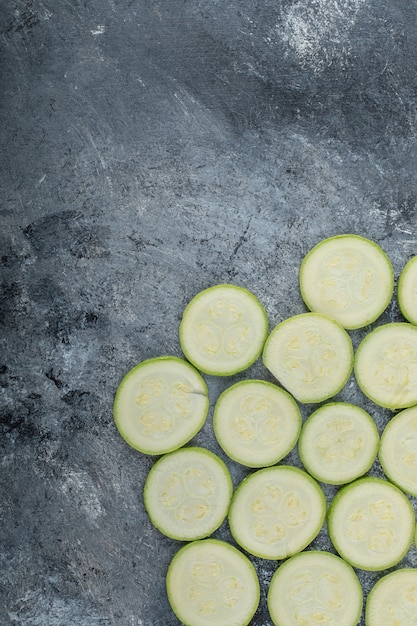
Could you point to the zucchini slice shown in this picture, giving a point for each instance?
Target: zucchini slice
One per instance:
(211, 582)
(407, 291)
(398, 450)
(277, 511)
(371, 524)
(315, 587)
(187, 493)
(311, 355)
(386, 365)
(349, 278)
(256, 423)
(160, 405)
(338, 443)
(392, 601)
(223, 330)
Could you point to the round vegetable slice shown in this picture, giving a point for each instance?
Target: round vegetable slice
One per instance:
(223, 330)
(315, 587)
(398, 450)
(256, 423)
(386, 365)
(407, 291)
(187, 493)
(311, 355)
(349, 278)
(392, 601)
(211, 582)
(276, 512)
(371, 524)
(338, 443)
(160, 405)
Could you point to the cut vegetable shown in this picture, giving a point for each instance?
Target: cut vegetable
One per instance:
(371, 524)
(311, 355)
(393, 600)
(398, 450)
(349, 278)
(386, 365)
(187, 493)
(211, 582)
(160, 405)
(256, 423)
(407, 291)
(276, 512)
(338, 443)
(315, 587)
(223, 330)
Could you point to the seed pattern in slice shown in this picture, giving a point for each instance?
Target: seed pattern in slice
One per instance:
(315, 587)
(256, 423)
(187, 493)
(398, 450)
(160, 405)
(386, 365)
(349, 278)
(371, 523)
(407, 291)
(393, 600)
(338, 443)
(210, 582)
(276, 512)
(311, 355)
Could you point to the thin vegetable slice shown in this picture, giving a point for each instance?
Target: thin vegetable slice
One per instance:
(160, 405)
(371, 524)
(386, 365)
(211, 582)
(315, 587)
(276, 512)
(398, 450)
(407, 291)
(256, 423)
(348, 278)
(338, 443)
(392, 601)
(311, 355)
(223, 330)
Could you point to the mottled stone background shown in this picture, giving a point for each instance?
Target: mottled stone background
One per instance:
(150, 149)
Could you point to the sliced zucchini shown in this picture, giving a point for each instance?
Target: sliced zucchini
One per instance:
(407, 291)
(371, 524)
(349, 278)
(160, 405)
(386, 365)
(315, 587)
(311, 355)
(209, 582)
(256, 423)
(338, 443)
(223, 330)
(392, 601)
(398, 450)
(187, 493)
(276, 512)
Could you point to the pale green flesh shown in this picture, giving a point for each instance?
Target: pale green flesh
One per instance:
(276, 512)
(223, 330)
(393, 600)
(310, 355)
(256, 423)
(338, 443)
(398, 450)
(371, 523)
(349, 278)
(211, 583)
(160, 405)
(407, 291)
(386, 365)
(315, 587)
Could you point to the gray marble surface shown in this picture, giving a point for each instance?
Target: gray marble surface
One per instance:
(151, 149)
